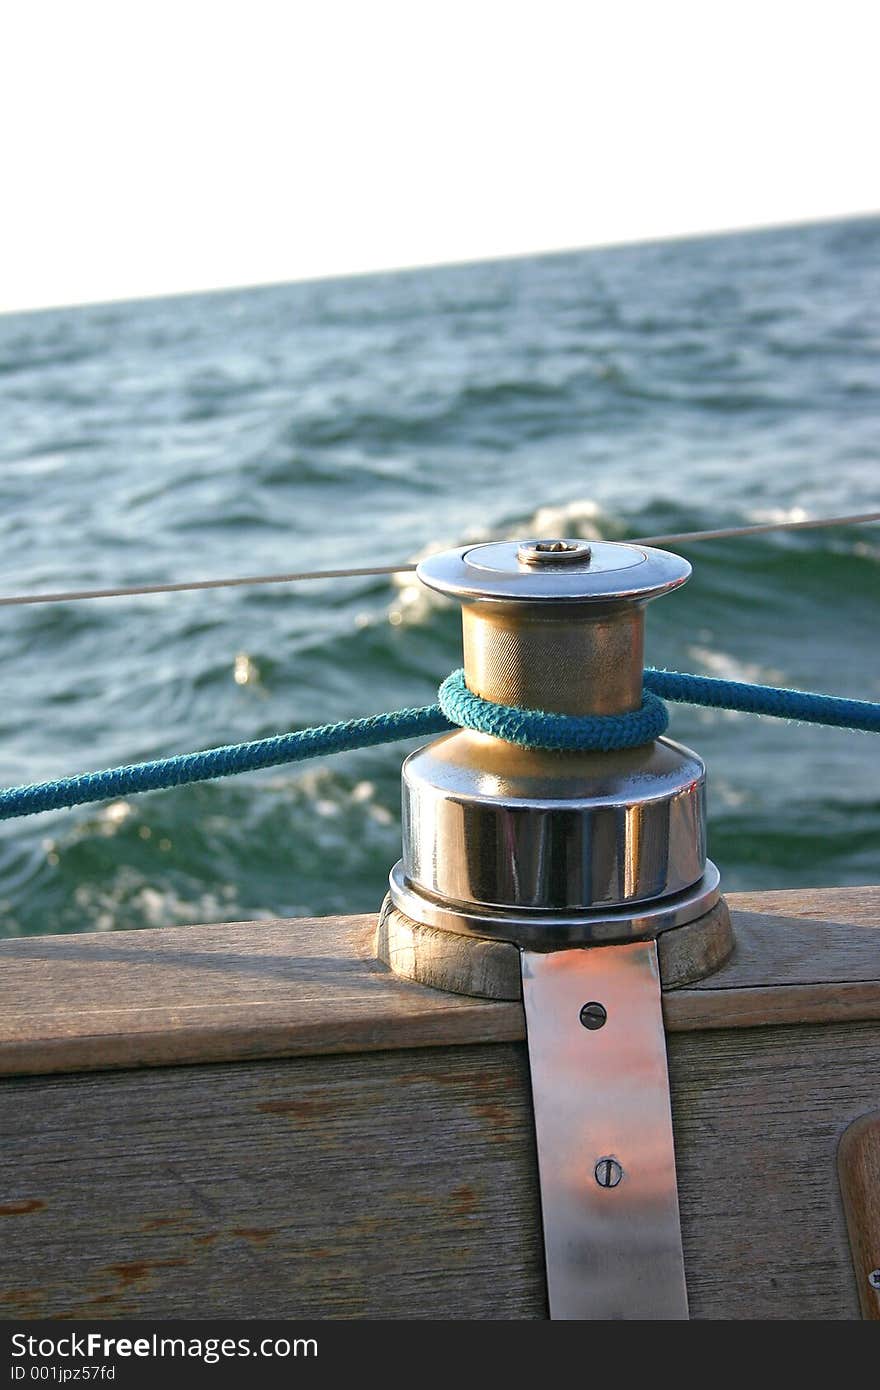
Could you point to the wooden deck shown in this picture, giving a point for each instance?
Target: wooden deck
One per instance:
(255, 1120)
(283, 988)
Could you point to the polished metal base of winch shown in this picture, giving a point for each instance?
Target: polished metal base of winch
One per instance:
(551, 931)
(551, 849)
(574, 835)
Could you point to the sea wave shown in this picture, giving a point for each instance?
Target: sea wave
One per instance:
(617, 394)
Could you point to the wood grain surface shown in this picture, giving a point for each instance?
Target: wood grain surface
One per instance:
(403, 1184)
(371, 1150)
(292, 988)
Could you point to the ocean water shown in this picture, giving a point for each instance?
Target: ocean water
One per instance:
(606, 393)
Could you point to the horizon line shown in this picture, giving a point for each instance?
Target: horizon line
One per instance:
(323, 277)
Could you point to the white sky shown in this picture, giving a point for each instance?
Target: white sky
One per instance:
(150, 148)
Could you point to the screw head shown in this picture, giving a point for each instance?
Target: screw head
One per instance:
(608, 1172)
(593, 1015)
(874, 1278)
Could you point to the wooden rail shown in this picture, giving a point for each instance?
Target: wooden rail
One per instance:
(256, 1120)
(292, 988)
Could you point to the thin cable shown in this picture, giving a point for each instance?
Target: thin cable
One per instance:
(755, 530)
(74, 595)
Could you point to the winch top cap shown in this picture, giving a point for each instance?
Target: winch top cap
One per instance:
(562, 570)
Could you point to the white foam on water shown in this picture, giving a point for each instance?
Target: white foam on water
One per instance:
(577, 520)
(730, 668)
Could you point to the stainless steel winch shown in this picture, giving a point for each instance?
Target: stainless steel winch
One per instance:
(544, 847)
(554, 874)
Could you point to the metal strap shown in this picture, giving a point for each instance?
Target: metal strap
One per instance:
(600, 1085)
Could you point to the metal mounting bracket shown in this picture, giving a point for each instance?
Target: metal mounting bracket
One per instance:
(600, 1087)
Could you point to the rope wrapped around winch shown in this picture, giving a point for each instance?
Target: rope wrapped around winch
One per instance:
(458, 706)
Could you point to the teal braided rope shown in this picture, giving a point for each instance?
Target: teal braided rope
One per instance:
(537, 729)
(222, 762)
(800, 705)
(459, 705)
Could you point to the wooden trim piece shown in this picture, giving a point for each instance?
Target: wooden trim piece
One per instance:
(491, 969)
(858, 1166)
(292, 988)
(695, 1010)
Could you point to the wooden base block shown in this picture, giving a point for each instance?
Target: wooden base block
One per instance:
(489, 969)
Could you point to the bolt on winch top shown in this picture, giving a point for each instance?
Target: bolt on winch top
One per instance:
(555, 625)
